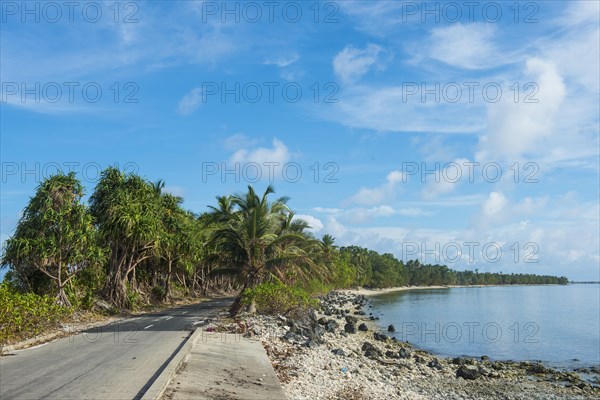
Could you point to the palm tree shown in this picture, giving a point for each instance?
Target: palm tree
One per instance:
(328, 246)
(254, 244)
(158, 186)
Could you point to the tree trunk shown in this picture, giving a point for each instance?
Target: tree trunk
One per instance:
(132, 279)
(194, 282)
(237, 304)
(204, 283)
(115, 290)
(154, 278)
(168, 280)
(61, 297)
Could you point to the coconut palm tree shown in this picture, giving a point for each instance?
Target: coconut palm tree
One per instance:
(328, 247)
(223, 211)
(158, 186)
(254, 245)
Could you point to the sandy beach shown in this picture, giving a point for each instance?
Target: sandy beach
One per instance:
(374, 292)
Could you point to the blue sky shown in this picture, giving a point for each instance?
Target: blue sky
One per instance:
(442, 131)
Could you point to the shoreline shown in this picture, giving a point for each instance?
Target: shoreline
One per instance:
(335, 352)
(374, 292)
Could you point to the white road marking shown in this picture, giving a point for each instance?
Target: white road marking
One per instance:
(183, 312)
(149, 326)
(168, 317)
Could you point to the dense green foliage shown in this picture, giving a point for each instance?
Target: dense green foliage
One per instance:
(276, 298)
(135, 244)
(55, 235)
(363, 267)
(23, 315)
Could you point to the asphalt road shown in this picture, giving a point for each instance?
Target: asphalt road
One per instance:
(115, 361)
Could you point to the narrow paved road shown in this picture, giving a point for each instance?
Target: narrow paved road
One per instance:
(116, 361)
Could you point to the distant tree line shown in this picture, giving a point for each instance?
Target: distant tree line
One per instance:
(363, 267)
(135, 243)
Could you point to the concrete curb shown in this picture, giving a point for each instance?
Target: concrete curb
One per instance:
(160, 384)
(59, 334)
(49, 337)
(32, 342)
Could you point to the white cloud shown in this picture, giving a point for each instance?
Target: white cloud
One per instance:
(435, 189)
(279, 154)
(497, 208)
(315, 223)
(238, 141)
(558, 231)
(572, 50)
(448, 178)
(466, 46)
(578, 12)
(104, 52)
(376, 18)
(577, 57)
(516, 129)
(327, 210)
(260, 163)
(362, 215)
(282, 62)
(467, 200)
(292, 75)
(190, 102)
(335, 228)
(413, 212)
(351, 63)
(396, 177)
(391, 109)
(530, 205)
(494, 204)
(373, 196)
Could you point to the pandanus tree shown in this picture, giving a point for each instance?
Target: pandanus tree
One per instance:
(176, 237)
(252, 243)
(55, 235)
(126, 209)
(196, 262)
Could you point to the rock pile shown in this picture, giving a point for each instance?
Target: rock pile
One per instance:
(337, 350)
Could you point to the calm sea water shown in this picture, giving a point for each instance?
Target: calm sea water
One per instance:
(553, 324)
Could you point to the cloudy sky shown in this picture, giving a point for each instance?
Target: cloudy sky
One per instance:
(463, 133)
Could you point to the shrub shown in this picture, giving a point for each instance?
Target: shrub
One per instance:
(158, 293)
(134, 297)
(25, 315)
(316, 287)
(277, 298)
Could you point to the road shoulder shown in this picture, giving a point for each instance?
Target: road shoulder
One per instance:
(223, 365)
